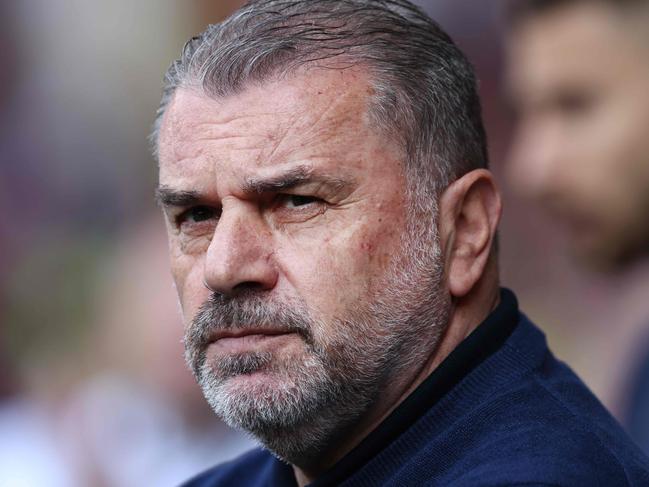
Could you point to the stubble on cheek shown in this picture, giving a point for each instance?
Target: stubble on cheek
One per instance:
(376, 246)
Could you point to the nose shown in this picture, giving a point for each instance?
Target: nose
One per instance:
(240, 255)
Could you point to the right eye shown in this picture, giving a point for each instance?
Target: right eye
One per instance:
(197, 215)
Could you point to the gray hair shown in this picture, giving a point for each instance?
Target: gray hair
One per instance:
(425, 89)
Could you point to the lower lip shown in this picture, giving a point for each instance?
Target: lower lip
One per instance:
(247, 343)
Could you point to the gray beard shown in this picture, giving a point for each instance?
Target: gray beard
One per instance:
(307, 403)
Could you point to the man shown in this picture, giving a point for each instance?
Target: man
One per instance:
(579, 81)
(579, 77)
(332, 229)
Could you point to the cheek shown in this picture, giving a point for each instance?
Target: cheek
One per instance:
(372, 257)
(187, 275)
(344, 269)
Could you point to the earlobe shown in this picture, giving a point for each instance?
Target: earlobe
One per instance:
(470, 210)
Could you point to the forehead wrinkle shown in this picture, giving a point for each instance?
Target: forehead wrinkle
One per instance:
(318, 131)
(230, 127)
(202, 119)
(350, 107)
(198, 146)
(329, 101)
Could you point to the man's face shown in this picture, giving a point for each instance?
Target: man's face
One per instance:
(292, 208)
(579, 80)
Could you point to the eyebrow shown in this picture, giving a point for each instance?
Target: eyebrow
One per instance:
(292, 178)
(166, 196)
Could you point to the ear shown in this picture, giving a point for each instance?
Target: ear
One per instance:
(469, 212)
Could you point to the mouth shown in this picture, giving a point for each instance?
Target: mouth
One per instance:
(243, 340)
(246, 332)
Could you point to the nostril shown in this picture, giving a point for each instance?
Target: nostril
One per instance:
(248, 286)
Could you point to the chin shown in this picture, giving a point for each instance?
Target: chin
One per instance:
(261, 387)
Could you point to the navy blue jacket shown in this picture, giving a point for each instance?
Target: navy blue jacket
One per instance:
(500, 410)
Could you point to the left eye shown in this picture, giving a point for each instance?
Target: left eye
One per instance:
(295, 200)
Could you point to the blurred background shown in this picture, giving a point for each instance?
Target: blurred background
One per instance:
(93, 387)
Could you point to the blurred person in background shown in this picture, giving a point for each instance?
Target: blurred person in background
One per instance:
(331, 224)
(578, 80)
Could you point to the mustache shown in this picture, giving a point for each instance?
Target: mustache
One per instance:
(246, 311)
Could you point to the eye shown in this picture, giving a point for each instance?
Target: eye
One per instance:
(197, 214)
(296, 200)
(295, 208)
